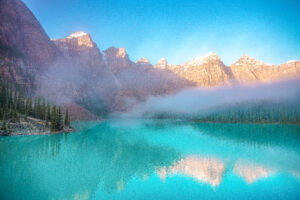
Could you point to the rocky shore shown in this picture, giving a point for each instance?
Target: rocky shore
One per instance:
(30, 126)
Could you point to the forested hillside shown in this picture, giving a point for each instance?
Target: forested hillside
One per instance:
(18, 110)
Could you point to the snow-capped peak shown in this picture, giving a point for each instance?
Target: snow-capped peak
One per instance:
(211, 54)
(77, 34)
(292, 61)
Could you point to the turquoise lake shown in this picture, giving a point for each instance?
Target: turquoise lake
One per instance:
(153, 159)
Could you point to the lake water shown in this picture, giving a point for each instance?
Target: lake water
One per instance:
(153, 159)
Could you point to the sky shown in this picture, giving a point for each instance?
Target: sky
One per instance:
(180, 30)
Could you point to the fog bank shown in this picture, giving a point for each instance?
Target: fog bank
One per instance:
(192, 101)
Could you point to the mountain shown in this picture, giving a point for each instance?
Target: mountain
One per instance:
(25, 48)
(74, 72)
(92, 78)
(143, 61)
(139, 80)
(21, 32)
(210, 71)
(117, 59)
(110, 78)
(207, 71)
(27, 55)
(249, 70)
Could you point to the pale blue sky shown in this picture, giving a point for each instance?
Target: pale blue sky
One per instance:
(180, 30)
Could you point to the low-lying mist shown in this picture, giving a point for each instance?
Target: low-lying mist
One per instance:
(193, 102)
(72, 84)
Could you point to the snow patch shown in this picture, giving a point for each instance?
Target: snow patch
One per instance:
(77, 34)
(292, 61)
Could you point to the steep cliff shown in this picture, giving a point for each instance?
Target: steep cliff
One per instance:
(21, 31)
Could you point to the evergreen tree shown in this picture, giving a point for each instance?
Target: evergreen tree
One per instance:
(59, 120)
(67, 120)
(3, 127)
(48, 117)
(53, 118)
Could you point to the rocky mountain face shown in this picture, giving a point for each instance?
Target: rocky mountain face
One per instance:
(93, 79)
(210, 71)
(138, 80)
(207, 71)
(112, 78)
(249, 70)
(21, 31)
(25, 48)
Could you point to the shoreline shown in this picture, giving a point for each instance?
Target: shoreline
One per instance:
(69, 130)
(257, 123)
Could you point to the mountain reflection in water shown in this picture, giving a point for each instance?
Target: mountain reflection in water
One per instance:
(110, 157)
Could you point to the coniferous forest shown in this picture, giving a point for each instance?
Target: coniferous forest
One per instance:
(257, 111)
(18, 107)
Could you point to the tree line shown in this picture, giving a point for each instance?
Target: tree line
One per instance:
(15, 104)
(257, 111)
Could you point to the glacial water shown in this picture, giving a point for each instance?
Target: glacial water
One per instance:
(153, 159)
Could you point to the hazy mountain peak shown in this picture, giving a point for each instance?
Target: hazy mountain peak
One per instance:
(143, 60)
(161, 64)
(116, 52)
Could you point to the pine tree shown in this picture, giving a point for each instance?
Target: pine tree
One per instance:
(67, 120)
(53, 118)
(59, 120)
(3, 127)
(43, 109)
(48, 115)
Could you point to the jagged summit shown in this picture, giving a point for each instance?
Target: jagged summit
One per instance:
(212, 56)
(161, 64)
(78, 34)
(245, 57)
(116, 52)
(248, 61)
(143, 61)
(80, 39)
